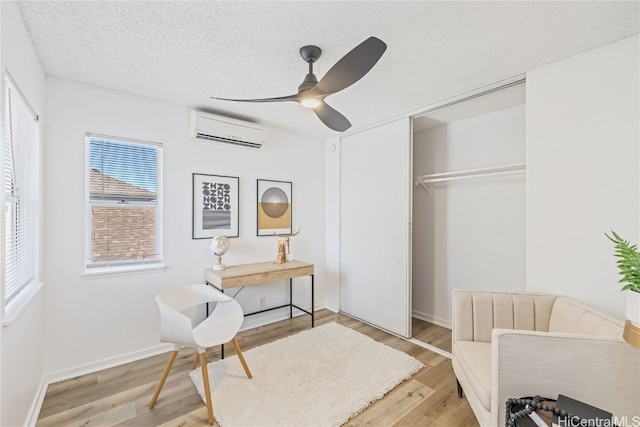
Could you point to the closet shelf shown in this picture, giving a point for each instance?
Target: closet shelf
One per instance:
(512, 169)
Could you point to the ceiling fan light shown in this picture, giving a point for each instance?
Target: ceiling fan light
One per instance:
(310, 102)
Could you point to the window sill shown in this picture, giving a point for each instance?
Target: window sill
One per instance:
(108, 272)
(20, 302)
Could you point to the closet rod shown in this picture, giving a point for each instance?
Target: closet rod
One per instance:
(512, 169)
(473, 172)
(454, 178)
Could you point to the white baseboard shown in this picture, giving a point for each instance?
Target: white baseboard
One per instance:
(89, 368)
(249, 323)
(432, 319)
(111, 362)
(85, 369)
(36, 405)
(268, 317)
(333, 308)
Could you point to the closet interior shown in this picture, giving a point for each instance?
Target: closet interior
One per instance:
(468, 231)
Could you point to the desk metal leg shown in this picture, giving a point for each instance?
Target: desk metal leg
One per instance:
(291, 305)
(221, 290)
(222, 345)
(290, 298)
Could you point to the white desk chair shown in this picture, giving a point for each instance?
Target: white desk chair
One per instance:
(221, 326)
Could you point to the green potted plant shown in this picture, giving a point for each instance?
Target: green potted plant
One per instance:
(629, 269)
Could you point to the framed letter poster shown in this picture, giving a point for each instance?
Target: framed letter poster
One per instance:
(215, 206)
(274, 207)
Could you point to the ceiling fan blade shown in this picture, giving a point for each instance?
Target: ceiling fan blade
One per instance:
(295, 97)
(331, 117)
(351, 67)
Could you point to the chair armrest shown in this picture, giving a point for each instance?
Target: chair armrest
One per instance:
(175, 327)
(600, 371)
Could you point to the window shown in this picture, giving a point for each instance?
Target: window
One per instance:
(124, 210)
(20, 178)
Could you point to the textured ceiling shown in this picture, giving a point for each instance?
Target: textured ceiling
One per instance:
(184, 52)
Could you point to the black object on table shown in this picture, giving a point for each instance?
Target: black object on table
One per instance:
(565, 411)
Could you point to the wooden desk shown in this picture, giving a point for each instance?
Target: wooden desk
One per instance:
(235, 276)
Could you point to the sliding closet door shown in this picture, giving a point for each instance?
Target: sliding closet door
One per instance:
(375, 224)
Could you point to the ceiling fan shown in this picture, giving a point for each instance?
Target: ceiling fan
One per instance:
(348, 70)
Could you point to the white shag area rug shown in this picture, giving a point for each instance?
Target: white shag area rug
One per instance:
(319, 377)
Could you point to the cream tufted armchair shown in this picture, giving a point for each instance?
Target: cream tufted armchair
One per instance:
(525, 344)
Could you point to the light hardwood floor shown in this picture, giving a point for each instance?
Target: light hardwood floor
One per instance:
(437, 336)
(120, 396)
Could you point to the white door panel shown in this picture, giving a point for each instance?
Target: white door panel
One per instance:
(375, 217)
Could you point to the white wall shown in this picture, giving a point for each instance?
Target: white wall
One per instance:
(468, 234)
(94, 322)
(22, 341)
(582, 172)
(332, 241)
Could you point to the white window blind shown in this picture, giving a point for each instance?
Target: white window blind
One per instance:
(20, 166)
(123, 203)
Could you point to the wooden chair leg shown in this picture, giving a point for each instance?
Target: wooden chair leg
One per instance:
(195, 361)
(207, 389)
(460, 391)
(165, 374)
(241, 357)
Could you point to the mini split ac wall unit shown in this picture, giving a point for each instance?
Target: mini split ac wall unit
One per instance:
(210, 127)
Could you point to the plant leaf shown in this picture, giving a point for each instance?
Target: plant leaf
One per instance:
(628, 262)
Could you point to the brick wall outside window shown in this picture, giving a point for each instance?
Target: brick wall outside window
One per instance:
(134, 238)
(121, 233)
